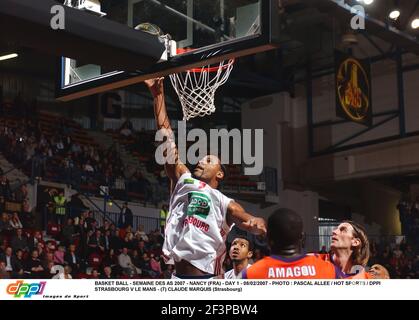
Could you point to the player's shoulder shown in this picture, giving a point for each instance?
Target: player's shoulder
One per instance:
(322, 260)
(260, 263)
(186, 178)
(256, 269)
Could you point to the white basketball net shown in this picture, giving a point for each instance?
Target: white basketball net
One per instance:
(196, 88)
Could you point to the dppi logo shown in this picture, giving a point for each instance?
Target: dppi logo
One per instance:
(27, 290)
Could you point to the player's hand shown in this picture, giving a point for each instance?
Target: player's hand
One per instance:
(155, 85)
(256, 226)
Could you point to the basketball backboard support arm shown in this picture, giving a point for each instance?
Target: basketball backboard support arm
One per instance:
(86, 37)
(252, 28)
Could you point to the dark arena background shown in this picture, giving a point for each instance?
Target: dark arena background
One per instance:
(81, 193)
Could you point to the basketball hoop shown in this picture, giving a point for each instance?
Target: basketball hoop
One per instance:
(196, 87)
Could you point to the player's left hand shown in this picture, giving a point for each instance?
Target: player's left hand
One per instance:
(256, 226)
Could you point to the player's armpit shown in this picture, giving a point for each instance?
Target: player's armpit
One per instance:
(245, 221)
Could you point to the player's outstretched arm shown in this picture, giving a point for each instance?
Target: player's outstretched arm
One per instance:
(237, 215)
(174, 168)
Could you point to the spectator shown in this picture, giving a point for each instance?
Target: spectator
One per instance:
(90, 221)
(60, 208)
(106, 226)
(15, 221)
(95, 274)
(27, 218)
(21, 194)
(59, 255)
(128, 241)
(397, 253)
(110, 259)
(145, 266)
(141, 248)
(5, 223)
(155, 264)
(68, 232)
(167, 274)
(136, 259)
(5, 188)
(18, 268)
(8, 259)
(34, 266)
(107, 273)
(125, 262)
(107, 240)
(34, 240)
(42, 252)
(19, 241)
(76, 206)
(140, 234)
(125, 217)
(72, 259)
(4, 274)
(95, 243)
(47, 260)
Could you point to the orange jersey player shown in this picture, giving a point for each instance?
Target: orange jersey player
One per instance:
(300, 267)
(285, 236)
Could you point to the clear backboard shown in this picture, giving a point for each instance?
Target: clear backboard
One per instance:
(214, 30)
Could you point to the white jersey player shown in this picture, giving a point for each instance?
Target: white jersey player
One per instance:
(200, 216)
(241, 251)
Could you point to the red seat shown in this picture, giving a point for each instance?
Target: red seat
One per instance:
(95, 260)
(53, 229)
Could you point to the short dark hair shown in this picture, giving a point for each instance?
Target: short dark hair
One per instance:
(237, 233)
(224, 170)
(285, 228)
(248, 238)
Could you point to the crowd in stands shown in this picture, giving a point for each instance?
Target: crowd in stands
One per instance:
(55, 149)
(80, 249)
(400, 260)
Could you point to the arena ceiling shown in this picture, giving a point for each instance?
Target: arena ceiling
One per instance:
(311, 30)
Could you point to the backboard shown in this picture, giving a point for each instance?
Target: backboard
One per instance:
(215, 29)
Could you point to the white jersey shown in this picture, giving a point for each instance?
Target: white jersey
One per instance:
(196, 227)
(232, 275)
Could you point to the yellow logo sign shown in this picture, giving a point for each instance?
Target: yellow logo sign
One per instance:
(353, 90)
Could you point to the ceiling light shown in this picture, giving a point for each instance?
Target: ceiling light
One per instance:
(415, 24)
(8, 56)
(395, 14)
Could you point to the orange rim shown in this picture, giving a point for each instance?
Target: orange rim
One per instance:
(199, 70)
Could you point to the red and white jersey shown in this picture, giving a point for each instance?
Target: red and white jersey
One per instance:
(196, 227)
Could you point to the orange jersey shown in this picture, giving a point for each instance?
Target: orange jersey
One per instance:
(302, 267)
